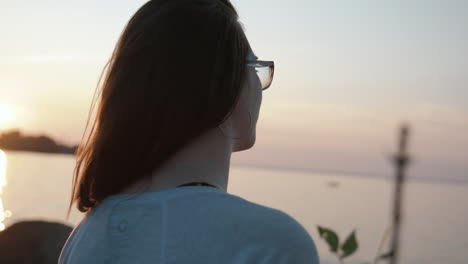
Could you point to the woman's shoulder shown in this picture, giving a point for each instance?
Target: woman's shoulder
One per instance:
(265, 217)
(275, 233)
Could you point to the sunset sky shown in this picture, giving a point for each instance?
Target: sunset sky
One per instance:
(347, 73)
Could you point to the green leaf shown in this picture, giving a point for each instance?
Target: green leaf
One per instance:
(330, 236)
(350, 245)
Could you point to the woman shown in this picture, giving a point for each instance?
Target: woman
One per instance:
(182, 92)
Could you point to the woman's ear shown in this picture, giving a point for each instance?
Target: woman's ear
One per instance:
(226, 125)
(227, 129)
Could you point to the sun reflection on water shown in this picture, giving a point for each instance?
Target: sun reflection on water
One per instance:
(3, 182)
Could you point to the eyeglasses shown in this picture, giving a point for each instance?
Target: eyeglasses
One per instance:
(264, 70)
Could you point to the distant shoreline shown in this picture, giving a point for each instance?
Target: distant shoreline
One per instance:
(25, 151)
(14, 140)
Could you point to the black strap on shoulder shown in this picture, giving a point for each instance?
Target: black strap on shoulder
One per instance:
(197, 184)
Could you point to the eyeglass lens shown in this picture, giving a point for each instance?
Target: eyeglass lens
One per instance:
(265, 74)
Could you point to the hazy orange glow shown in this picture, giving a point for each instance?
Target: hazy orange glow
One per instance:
(6, 114)
(3, 182)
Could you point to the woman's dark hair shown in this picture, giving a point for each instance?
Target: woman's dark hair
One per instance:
(176, 72)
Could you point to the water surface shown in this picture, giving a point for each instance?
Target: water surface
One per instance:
(37, 186)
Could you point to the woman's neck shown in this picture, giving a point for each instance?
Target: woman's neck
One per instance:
(207, 159)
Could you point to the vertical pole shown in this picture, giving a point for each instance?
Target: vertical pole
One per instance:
(401, 161)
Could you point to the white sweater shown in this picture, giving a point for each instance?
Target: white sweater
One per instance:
(191, 224)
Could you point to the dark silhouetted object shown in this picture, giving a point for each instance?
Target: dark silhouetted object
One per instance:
(401, 161)
(33, 242)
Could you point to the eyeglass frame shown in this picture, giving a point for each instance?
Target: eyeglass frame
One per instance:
(270, 64)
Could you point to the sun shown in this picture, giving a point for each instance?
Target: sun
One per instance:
(6, 113)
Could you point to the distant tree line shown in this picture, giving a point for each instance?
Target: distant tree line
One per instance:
(14, 140)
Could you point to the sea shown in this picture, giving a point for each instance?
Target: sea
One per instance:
(434, 221)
